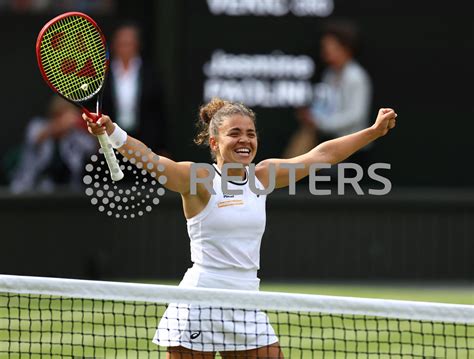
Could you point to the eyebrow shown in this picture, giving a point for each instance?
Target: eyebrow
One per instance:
(238, 129)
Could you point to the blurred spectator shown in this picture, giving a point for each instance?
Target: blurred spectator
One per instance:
(343, 98)
(133, 96)
(54, 150)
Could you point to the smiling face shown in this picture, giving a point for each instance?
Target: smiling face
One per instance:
(236, 141)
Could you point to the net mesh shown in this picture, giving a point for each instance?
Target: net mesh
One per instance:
(73, 57)
(69, 325)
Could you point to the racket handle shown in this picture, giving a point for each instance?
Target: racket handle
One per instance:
(115, 172)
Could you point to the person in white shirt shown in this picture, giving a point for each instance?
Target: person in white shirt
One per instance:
(226, 230)
(342, 102)
(133, 94)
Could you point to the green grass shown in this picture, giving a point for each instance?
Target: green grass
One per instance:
(83, 328)
(455, 294)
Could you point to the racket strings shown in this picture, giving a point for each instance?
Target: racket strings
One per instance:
(72, 44)
(68, 44)
(73, 57)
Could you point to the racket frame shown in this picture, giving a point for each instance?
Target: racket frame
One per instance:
(114, 169)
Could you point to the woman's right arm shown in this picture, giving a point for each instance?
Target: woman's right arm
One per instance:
(177, 173)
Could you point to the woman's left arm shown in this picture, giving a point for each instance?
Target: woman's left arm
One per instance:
(329, 152)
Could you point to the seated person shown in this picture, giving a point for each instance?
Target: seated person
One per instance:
(54, 150)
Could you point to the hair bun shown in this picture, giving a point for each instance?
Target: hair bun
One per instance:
(207, 112)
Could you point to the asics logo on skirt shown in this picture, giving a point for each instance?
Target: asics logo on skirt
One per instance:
(195, 335)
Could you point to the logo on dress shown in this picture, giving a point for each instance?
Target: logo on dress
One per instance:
(228, 195)
(230, 202)
(195, 335)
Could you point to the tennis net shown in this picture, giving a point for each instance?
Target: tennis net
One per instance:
(51, 317)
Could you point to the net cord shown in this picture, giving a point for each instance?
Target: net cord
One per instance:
(224, 298)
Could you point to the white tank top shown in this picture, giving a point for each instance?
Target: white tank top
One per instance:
(227, 233)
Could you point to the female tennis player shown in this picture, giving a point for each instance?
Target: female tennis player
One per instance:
(226, 230)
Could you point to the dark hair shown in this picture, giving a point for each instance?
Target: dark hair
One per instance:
(345, 32)
(212, 114)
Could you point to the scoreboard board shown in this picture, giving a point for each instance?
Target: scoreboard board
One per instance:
(265, 53)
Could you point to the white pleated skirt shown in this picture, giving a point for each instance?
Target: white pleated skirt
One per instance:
(212, 329)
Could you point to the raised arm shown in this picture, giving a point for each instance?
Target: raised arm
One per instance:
(177, 173)
(329, 152)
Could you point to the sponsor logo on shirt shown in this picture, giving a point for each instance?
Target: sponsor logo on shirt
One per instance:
(231, 202)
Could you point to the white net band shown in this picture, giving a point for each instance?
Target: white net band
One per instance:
(120, 291)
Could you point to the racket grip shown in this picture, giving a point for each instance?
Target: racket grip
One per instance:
(115, 172)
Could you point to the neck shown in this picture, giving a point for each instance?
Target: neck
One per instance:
(339, 66)
(234, 172)
(126, 64)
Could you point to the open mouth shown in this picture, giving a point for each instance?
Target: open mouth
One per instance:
(244, 152)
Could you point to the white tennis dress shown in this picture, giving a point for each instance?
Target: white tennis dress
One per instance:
(225, 249)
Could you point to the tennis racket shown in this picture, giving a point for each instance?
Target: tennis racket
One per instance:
(73, 59)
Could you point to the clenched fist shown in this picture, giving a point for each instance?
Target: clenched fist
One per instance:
(102, 125)
(386, 120)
